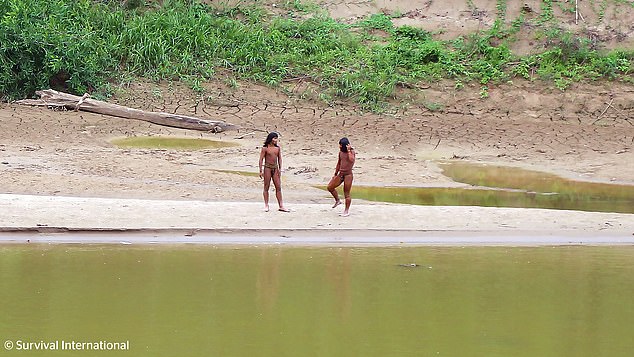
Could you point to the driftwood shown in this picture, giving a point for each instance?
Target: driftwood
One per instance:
(54, 99)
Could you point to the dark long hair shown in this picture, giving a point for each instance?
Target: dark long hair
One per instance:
(344, 142)
(270, 138)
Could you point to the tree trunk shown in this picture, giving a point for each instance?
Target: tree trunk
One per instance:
(51, 98)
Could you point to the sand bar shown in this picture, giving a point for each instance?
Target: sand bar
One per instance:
(126, 221)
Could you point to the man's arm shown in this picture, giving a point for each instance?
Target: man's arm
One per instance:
(279, 158)
(262, 152)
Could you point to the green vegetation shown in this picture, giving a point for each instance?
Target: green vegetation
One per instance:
(547, 14)
(90, 46)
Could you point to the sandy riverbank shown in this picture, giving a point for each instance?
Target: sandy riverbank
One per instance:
(107, 220)
(60, 172)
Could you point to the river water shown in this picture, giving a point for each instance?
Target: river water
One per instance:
(203, 300)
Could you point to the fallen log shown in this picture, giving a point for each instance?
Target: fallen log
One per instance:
(53, 99)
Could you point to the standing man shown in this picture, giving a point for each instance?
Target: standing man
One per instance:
(343, 174)
(270, 165)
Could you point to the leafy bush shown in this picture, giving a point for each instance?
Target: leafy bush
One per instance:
(51, 43)
(82, 45)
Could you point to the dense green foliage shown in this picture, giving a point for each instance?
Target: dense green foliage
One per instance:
(82, 45)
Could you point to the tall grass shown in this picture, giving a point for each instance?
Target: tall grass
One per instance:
(81, 45)
(54, 40)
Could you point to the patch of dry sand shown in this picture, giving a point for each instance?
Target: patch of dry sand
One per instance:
(44, 218)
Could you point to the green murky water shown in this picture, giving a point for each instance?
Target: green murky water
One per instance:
(236, 172)
(497, 186)
(159, 142)
(533, 181)
(277, 301)
(493, 198)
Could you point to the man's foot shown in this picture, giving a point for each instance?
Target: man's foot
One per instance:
(266, 208)
(282, 209)
(344, 214)
(336, 204)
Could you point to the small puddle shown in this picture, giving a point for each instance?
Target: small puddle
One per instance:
(499, 186)
(236, 172)
(162, 142)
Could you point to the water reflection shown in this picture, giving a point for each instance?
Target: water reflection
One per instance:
(268, 280)
(201, 300)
